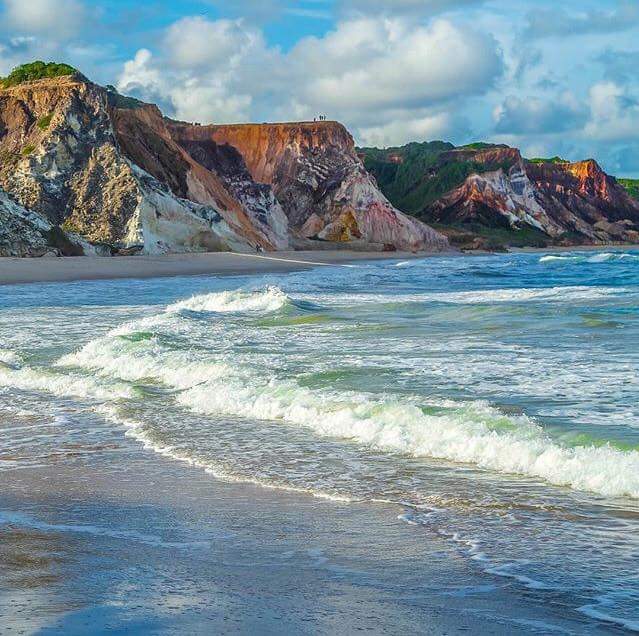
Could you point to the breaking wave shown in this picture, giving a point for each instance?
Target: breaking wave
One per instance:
(489, 296)
(474, 433)
(63, 384)
(268, 300)
(10, 358)
(605, 257)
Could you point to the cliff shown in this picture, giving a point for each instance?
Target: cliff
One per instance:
(485, 196)
(111, 170)
(321, 183)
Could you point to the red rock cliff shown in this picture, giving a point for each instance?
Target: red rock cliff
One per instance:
(321, 183)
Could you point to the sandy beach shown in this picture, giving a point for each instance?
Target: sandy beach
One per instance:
(32, 270)
(42, 270)
(186, 454)
(116, 539)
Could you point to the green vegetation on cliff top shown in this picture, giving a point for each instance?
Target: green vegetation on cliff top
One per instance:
(631, 185)
(549, 160)
(482, 145)
(35, 71)
(414, 176)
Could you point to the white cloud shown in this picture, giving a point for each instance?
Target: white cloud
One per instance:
(57, 19)
(369, 69)
(140, 76)
(379, 75)
(400, 131)
(614, 114)
(209, 103)
(197, 81)
(371, 64)
(195, 42)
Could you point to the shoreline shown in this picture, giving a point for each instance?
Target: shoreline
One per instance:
(17, 271)
(194, 543)
(164, 532)
(20, 271)
(609, 247)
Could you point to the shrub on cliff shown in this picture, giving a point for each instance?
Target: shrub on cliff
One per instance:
(632, 186)
(35, 71)
(547, 160)
(414, 176)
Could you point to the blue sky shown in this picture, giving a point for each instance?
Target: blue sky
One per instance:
(554, 78)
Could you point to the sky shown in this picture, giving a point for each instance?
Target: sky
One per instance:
(550, 77)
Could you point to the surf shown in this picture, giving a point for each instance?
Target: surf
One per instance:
(473, 433)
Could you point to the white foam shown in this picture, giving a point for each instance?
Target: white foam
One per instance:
(10, 358)
(603, 257)
(67, 384)
(552, 258)
(488, 296)
(21, 520)
(476, 434)
(137, 430)
(269, 300)
(603, 607)
(394, 426)
(562, 294)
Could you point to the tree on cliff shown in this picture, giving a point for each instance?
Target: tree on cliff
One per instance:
(35, 71)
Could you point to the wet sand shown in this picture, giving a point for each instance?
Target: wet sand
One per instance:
(121, 540)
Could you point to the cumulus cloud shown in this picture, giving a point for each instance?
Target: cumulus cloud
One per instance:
(206, 70)
(140, 76)
(55, 18)
(407, 127)
(185, 98)
(533, 115)
(387, 78)
(195, 42)
(372, 64)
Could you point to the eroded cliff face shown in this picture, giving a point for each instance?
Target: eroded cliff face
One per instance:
(322, 185)
(114, 171)
(22, 232)
(61, 159)
(200, 171)
(569, 202)
(27, 233)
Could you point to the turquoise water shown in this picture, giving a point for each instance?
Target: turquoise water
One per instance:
(494, 399)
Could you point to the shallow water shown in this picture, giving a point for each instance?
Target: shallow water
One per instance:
(494, 399)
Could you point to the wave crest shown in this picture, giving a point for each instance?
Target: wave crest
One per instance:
(473, 433)
(604, 257)
(239, 301)
(10, 358)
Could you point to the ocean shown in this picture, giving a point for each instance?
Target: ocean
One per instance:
(491, 403)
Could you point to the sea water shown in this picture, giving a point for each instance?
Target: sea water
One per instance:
(493, 399)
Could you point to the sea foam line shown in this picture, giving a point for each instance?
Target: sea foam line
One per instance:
(604, 257)
(474, 434)
(477, 434)
(136, 430)
(21, 520)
